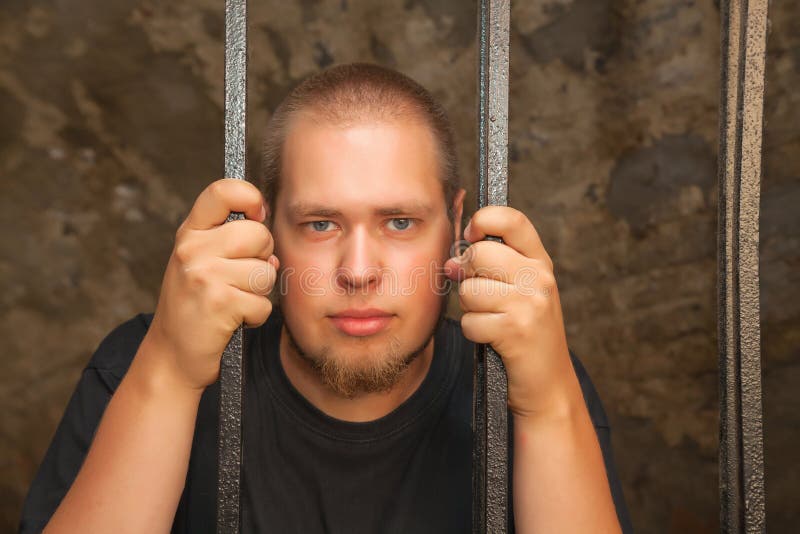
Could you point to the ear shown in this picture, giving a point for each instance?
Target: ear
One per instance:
(458, 211)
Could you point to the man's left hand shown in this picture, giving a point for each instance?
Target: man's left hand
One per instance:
(509, 297)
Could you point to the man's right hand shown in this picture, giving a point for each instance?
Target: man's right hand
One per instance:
(217, 278)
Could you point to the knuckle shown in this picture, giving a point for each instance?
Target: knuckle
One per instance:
(183, 252)
(265, 309)
(519, 218)
(473, 252)
(262, 278)
(264, 237)
(465, 307)
(468, 288)
(466, 323)
(547, 279)
(485, 248)
(181, 231)
(239, 246)
(216, 188)
(242, 189)
(524, 322)
(471, 328)
(477, 217)
(217, 299)
(486, 211)
(253, 193)
(259, 313)
(526, 278)
(197, 274)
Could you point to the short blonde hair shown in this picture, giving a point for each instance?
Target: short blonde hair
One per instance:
(347, 94)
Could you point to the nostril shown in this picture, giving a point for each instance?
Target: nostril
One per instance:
(351, 278)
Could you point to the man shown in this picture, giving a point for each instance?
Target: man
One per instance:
(358, 400)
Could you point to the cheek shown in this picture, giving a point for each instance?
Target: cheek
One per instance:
(300, 277)
(304, 281)
(418, 276)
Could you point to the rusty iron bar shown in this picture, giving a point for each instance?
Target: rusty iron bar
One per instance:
(490, 473)
(741, 456)
(229, 459)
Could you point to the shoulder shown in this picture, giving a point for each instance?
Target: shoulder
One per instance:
(116, 351)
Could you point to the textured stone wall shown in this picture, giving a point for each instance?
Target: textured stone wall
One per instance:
(111, 121)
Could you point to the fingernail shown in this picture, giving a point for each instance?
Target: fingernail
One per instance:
(263, 213)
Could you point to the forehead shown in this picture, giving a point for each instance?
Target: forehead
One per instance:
(366, 164)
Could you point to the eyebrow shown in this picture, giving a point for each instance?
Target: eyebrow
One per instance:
(306, 209)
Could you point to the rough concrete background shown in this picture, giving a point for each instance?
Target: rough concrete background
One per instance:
(111, 121)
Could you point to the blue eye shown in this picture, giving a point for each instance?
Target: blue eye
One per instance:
(320, 226)
(401, 224)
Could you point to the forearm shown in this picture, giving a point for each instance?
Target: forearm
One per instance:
(135, 470)
(560, 483)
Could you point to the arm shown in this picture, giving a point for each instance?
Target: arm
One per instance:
(560, 482)
(132, 477)
(510, 300)
(144, 439)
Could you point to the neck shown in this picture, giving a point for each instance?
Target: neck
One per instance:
(361, 408)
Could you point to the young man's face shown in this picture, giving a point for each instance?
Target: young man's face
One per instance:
(360, 223)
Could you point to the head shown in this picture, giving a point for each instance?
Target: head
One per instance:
(361, 181)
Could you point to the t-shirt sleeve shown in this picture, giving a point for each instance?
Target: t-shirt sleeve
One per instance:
(74, 433)
(603, 429)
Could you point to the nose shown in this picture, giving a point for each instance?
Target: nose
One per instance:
(360, 265)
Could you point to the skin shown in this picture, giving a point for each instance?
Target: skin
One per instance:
(134, 472)
(509, 297)
(352, 172)
(392, 261)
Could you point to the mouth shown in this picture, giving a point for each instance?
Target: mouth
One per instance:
(363, 322)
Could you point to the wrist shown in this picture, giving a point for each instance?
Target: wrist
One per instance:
(559, 404)
(154, 373)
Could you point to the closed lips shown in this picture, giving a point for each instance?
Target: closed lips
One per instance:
(362, 314)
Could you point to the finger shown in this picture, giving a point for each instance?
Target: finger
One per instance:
(482, 327)
(250, 275)
(255, 309)
(484, 295)
(239, 239)
(488, 259)
(245, 274)
(509, 224)
(221, 198)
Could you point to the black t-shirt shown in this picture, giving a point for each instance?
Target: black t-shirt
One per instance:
(303, 471)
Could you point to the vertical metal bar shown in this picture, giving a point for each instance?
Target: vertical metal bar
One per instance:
(490, 483)
(741, 461)
(229, 460)
(729, 475)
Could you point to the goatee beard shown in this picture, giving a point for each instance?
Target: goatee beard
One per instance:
(379, 374)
